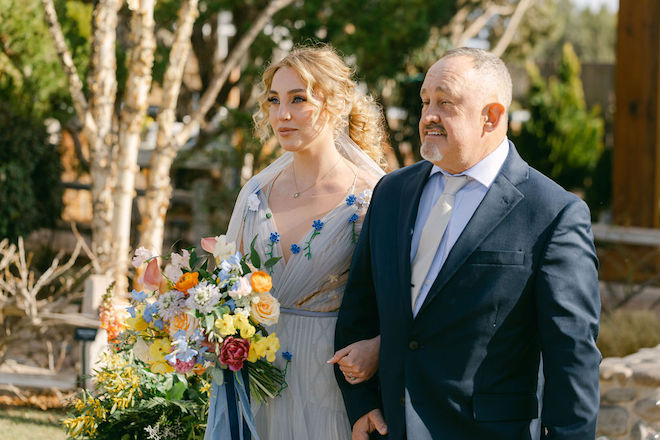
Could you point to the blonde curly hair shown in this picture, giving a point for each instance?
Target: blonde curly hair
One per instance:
(326, 75)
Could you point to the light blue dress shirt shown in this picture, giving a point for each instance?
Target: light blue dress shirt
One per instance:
(467, 200)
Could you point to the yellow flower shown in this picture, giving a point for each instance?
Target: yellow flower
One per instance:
(271, 345)
(242, 323)
(161, 368)
(266, 311)
(138, 323)
(225, 325)
(257, 349)
(158, 349)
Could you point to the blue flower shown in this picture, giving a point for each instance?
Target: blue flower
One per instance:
(317, 225)
(353, 218)
(350, 200)
(231, 304)
(274, 237)
(131, 311)
(235, 259)
(287, 356)
(295, 248)
(159, 324)
(149, 311)
(138, 296)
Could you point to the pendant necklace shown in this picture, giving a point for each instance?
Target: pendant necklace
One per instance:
(295, 182)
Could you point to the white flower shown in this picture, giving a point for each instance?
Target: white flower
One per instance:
(203, 297)
(182, 260)
(142, 254)
(223, 249)
(141, 350)
(241, 288)
(253, 202)
(172, 272)
(364, 197)
(170, 304)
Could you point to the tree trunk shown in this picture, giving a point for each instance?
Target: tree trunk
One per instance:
(140, 62)
(158, 185)
(103, 85)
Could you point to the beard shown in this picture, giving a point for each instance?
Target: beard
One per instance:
(430, 152)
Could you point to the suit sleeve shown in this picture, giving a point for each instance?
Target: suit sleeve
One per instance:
(568, 310)
(358, 319)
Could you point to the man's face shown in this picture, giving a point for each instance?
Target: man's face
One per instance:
(452, 124)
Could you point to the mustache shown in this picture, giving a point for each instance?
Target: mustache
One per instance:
(434, 127)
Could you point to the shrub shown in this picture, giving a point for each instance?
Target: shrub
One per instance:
(624, 332)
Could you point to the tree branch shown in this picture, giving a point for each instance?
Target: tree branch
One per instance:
(510, 31)
(64, 55)
(235, 56)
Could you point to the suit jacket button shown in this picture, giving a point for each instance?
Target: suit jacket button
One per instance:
(413, 345)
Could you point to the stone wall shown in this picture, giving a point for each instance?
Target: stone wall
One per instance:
(630, 397)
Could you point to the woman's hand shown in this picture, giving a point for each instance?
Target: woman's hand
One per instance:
(358, 361)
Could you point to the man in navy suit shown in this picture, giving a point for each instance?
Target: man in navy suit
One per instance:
(511, 290)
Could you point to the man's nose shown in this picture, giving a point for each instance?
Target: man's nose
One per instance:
(431, 114)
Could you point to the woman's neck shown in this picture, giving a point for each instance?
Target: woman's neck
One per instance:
(311, 164)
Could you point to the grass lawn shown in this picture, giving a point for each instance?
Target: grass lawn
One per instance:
(30, 424)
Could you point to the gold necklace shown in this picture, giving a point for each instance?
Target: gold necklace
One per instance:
(295, 182)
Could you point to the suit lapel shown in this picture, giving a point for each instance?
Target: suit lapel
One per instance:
(498, 202)
(411, 192)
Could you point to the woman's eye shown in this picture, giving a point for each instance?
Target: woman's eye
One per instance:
(299, 99)
(273, 100)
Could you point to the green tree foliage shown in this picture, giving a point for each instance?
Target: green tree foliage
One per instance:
(551, 23)
(562, 138)
(30, 190)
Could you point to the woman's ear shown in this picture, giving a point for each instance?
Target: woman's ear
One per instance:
(494, 115)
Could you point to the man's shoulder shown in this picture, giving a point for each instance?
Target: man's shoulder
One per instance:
(546, 193)
(400, 175)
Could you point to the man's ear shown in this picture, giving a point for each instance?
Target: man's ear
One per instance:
(494, 114)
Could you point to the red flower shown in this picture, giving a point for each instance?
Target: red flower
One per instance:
(233, 353)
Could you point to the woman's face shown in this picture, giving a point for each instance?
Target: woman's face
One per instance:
(291, 115)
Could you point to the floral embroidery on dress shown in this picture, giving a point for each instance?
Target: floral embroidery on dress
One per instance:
(360, 203)
(317, 225)
(274, 238)
(295, 249)
(253, 202)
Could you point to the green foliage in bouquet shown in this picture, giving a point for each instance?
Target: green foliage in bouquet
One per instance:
(132, 403)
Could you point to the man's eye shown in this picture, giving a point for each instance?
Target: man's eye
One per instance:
(425, 103)
(273, 100)
(299, 99)
(445, 102)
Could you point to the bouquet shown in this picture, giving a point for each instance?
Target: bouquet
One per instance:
(195, 317)
(202, 319)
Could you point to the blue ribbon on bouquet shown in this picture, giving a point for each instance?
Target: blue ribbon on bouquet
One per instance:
(230, 414)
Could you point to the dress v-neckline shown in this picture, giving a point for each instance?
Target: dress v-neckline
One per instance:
(310, 230)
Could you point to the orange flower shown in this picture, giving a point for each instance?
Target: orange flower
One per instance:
(187, 281)
(199, 369)
(261, 281)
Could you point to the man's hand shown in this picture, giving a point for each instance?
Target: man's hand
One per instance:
(373, 420)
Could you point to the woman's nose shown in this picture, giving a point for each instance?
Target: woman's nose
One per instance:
(283, 113)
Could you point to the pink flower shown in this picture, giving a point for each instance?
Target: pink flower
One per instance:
(208, 244)
(184, 367)
(152, 276)
(234, 352)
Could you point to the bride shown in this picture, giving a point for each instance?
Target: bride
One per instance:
(307, 207)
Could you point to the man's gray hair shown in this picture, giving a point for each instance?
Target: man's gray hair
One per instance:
(489, 64)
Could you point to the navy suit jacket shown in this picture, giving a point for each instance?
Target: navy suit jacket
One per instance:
(519, 284)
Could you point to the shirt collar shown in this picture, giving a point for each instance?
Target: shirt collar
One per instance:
(486, 169)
